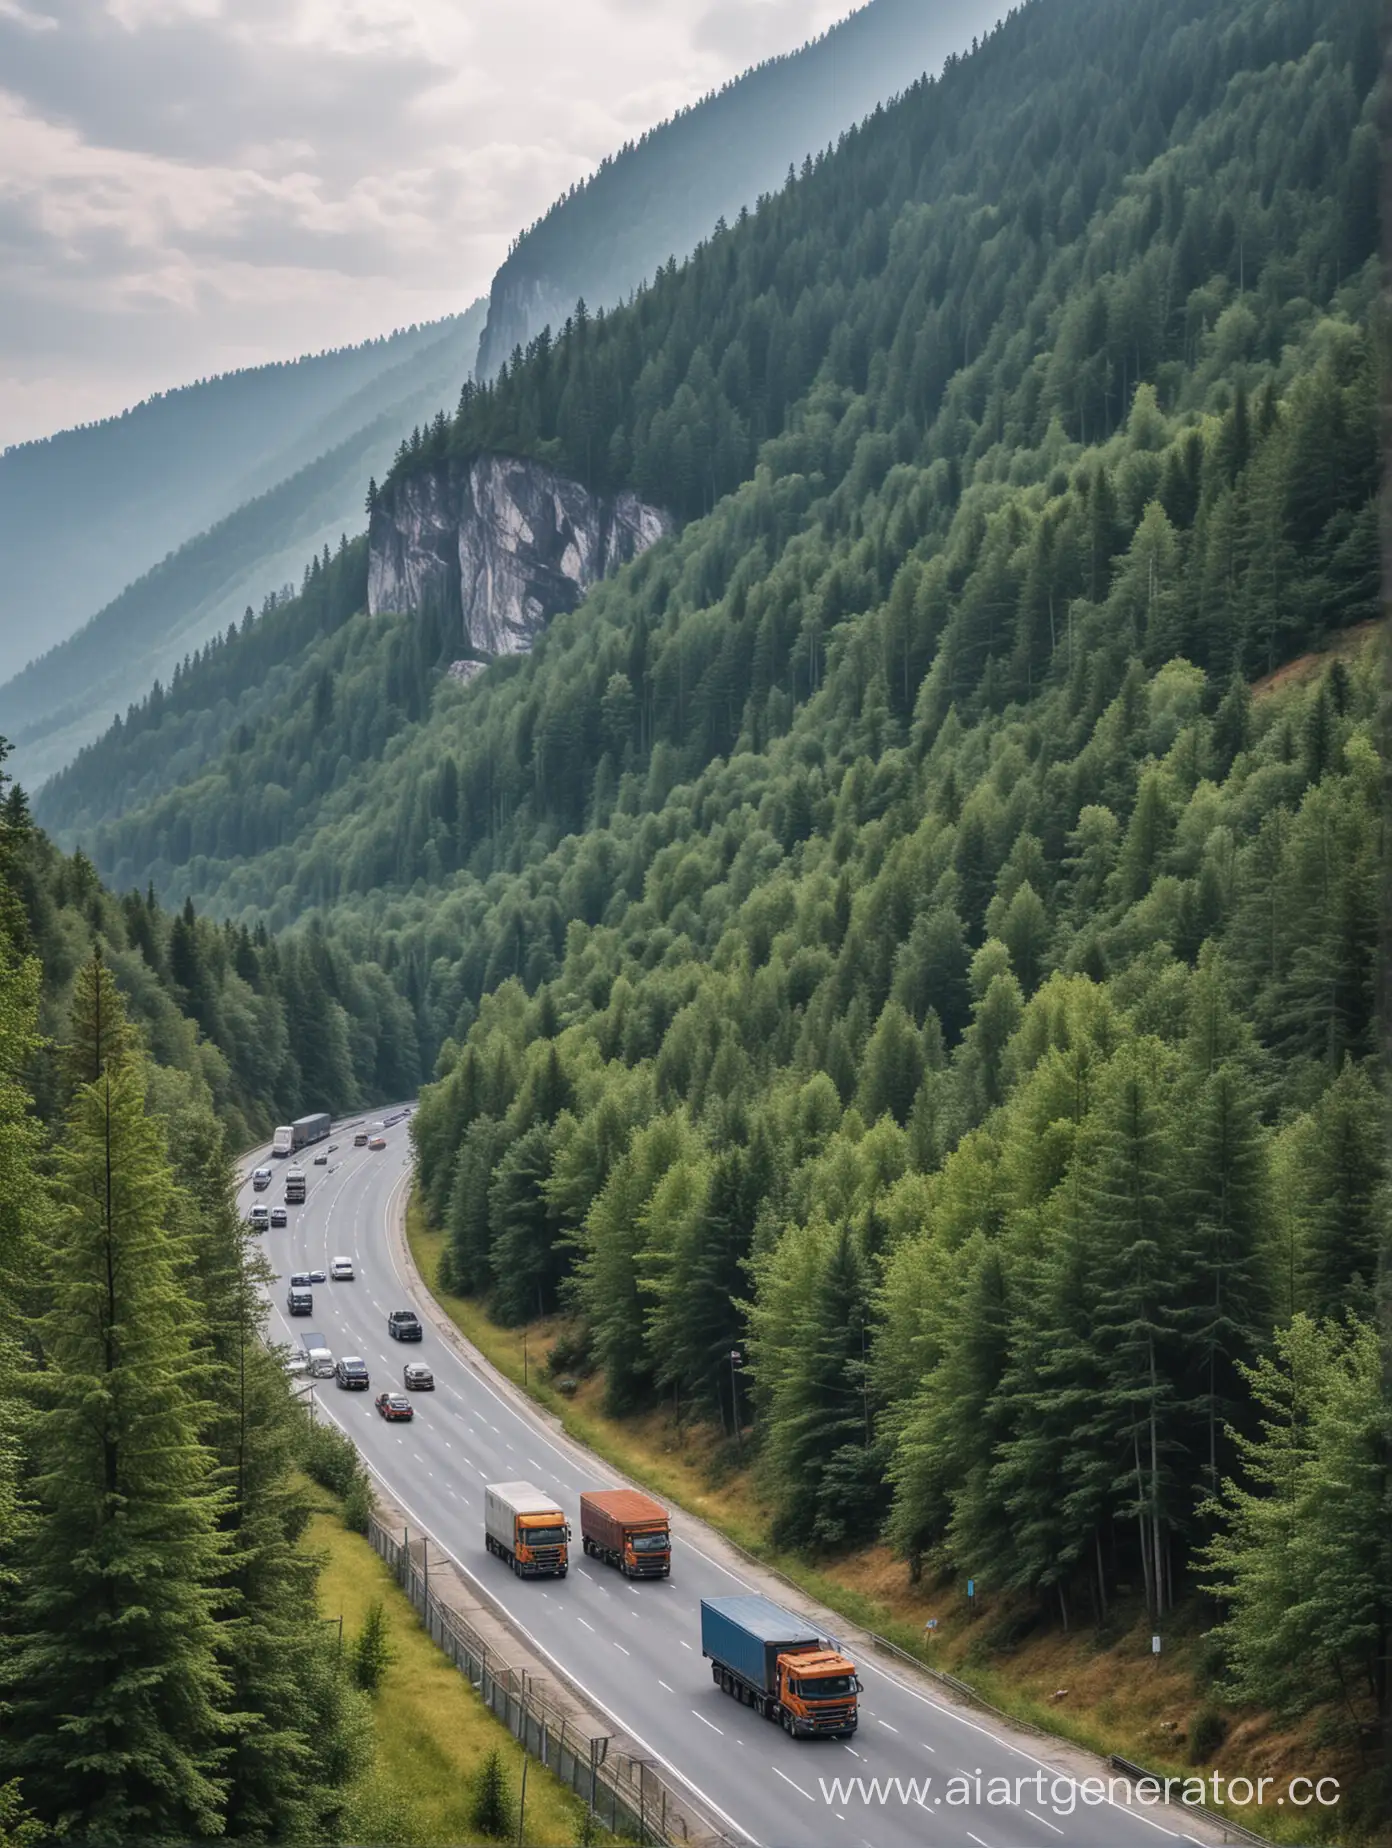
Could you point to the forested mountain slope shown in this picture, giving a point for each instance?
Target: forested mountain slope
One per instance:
(281, 463)
(879, 929)
(656, 198)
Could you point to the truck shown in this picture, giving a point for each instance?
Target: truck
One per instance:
(316, 1351)
(780, 1665)
(526, 1528)
(626, 1529)
(294, 1186)
(297, 1135)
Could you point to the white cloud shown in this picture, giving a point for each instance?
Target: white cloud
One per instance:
(189, 185)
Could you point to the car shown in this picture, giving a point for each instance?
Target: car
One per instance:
(300, 1280)
(318, 1277)
(360, 1140)
(417, 1377)
(404, 1325)
(279, 1216)
(377, 1142)
(297, 1362)
(260, 1216)
(394, 1405)
(332, 1147)
(298, 1302)
(351, 1373)
(341, 1270)
(321, 1161)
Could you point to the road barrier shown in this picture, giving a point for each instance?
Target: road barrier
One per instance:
(626, 1794)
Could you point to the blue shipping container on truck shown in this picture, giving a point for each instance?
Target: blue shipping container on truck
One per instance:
(749, 1633)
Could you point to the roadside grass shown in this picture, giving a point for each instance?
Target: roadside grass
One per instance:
(1107, 1694)
(432, 1731)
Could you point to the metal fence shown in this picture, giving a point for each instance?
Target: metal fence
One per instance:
(626, 1794)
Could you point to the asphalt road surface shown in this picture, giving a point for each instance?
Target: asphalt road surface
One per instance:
(635, 1648)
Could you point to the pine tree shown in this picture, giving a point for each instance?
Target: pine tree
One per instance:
(490, 1810)
(285, 1722)
(372, 1651)
(113, 1668)
(1127, 1209)
(1227, 1211)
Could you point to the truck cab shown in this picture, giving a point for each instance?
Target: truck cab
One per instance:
(294, 1186)
(260, 1217)
(817, 1692)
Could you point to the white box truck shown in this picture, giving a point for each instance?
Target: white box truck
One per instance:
(526, 1528)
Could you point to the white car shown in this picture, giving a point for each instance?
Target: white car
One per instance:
(341, 1270)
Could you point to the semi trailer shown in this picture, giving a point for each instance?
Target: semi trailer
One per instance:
(297, 1135)
(777, 1663)
(526, 1528)
(626, 1529)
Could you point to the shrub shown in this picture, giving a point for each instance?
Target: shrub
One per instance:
(372, 1651)
(491, 1810)
(357, 1504)
(1206, 1734)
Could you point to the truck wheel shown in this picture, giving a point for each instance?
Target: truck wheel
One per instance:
(788, 1724)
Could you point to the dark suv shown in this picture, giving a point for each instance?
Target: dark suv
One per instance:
(404, 1325)
(350, 1372)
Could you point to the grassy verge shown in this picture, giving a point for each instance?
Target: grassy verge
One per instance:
(432, 1731)
(1110, 1697)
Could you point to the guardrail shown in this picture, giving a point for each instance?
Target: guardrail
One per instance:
(626, 1794)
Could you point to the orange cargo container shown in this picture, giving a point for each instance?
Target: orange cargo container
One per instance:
(627, 1529)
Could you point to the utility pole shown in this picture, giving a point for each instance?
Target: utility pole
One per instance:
(736, 1363)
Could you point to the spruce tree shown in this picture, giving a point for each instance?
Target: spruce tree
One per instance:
(281, 1724)
(113, 1670)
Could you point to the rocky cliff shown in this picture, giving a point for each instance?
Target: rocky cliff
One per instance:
(500, 546)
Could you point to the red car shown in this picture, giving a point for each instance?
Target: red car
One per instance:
(395, 1405)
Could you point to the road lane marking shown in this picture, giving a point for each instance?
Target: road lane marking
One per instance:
(887, 1726)
(621, 1649)
(589, 1626)
(797, 1787)
(663, 1684)
(1045, 1820)
(705, 1722)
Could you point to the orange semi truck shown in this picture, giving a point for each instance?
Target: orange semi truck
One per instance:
(526, 1528)
(776, 1663)
(626, 1529)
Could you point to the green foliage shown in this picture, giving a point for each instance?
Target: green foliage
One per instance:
(1303, 1559)
(113, 1671)
(492, 1809)
(371, 1652)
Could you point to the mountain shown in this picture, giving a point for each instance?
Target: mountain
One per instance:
(279, 457)
(657, 197)
(917, 925)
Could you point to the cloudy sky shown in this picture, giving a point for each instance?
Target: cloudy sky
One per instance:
(188, 186)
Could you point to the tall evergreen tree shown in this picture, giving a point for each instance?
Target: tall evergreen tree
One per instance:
(113, 1673)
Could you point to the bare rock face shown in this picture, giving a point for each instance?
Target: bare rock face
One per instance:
(499, 546)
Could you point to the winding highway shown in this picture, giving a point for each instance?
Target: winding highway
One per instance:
(635, 1648)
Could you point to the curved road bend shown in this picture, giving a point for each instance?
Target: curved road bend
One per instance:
(635, 1648)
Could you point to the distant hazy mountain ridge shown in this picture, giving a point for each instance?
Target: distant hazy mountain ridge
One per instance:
(658, 197)
(302, 491)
